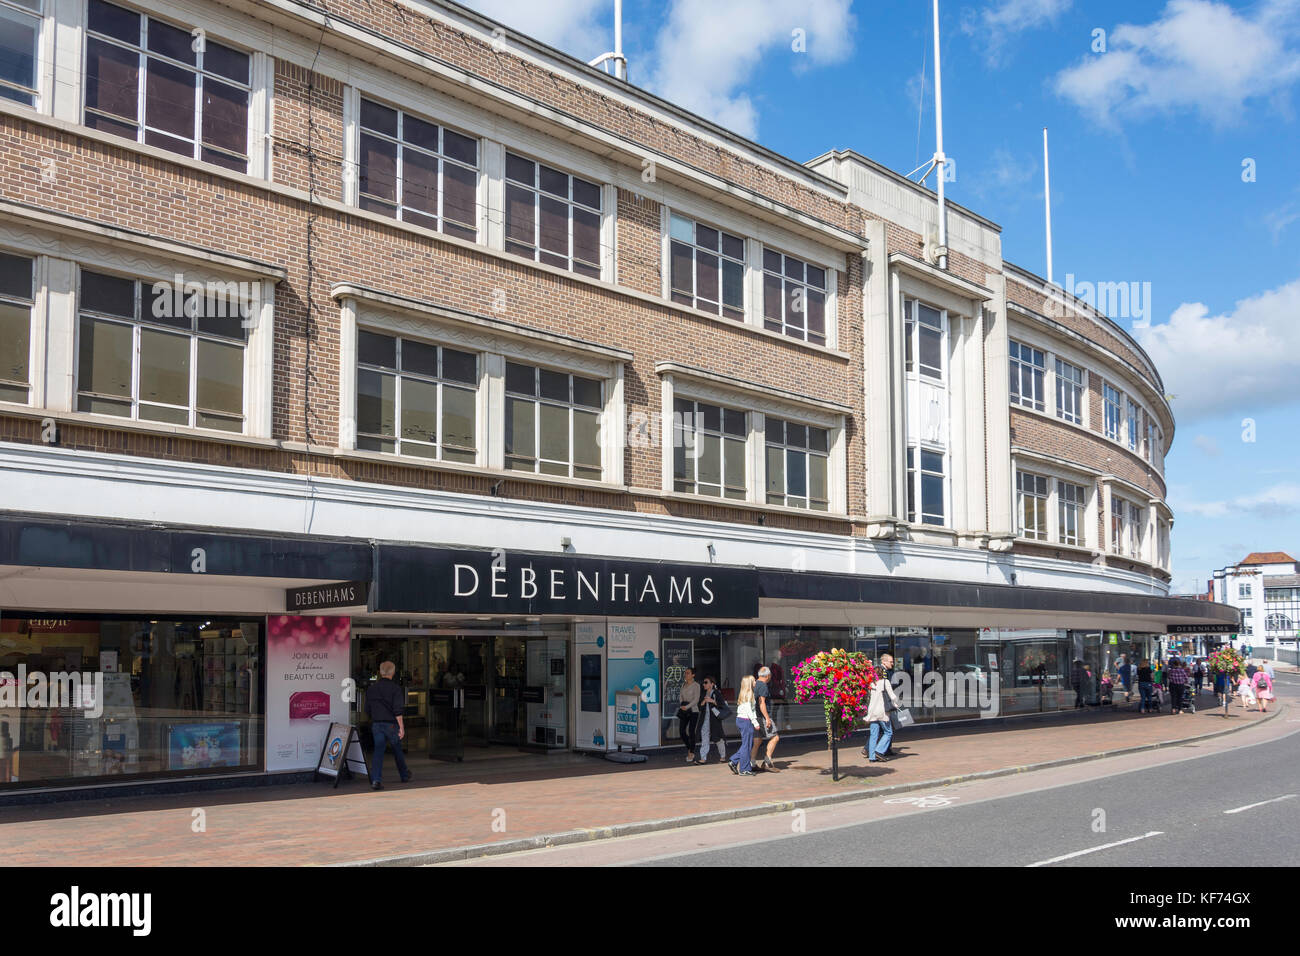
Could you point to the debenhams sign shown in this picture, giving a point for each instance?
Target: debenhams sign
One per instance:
(416, 579)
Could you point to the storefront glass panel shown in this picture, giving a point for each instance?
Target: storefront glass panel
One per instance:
(150, 697)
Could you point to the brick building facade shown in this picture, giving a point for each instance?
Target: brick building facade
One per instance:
(491, 299)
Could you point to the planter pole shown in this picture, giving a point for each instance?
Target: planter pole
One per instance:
(835, 749)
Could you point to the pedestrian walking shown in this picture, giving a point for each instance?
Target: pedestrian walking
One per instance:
(1246, 691)
(688, 713)
(712, 713)
(882, 730)
(1125, 678)
(385, 703)
(1268, 669)
(1146, 686)
(1077, 679)
(767, 730)
(741, 762)
(1222, 687)
(1263, 687)
(1178, 681)
(1198, 676)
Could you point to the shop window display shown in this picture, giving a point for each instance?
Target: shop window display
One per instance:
(153, 697)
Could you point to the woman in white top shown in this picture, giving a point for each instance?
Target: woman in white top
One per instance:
(746, 723)
(882, 731)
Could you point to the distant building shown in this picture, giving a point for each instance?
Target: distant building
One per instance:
(1265, 587)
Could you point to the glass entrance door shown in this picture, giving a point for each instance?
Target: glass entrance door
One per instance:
(459, 682)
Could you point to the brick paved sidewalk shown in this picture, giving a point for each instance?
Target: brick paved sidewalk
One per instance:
(452, 805)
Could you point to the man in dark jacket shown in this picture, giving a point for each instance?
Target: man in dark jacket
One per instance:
(385, 703)
(1078, 677)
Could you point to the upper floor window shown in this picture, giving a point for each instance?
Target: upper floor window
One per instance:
(552, 422)
(15, 327)
(1278, 622)
(552, 217)
(709, 449)
(1148, 446)
(924, 328)
(20, 29)
(1069, 392)
(1070, 499)
(140, 357)
(1033, 505)
(797, 457)
(161, 85)
(707, 268)
(1136, 530)
(1134, 417)
(417, 171)
(925, 484)
(416, 399)
(1243, 590)
(1110, 399)
(794, 297)
(1028, 366)
(1118, 524)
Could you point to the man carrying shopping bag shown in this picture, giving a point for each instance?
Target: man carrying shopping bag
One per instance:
(882, 730)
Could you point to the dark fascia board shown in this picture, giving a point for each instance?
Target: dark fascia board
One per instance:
(93, 544)
(863, 589)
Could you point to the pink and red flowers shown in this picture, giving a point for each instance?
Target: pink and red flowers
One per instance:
(842, 679)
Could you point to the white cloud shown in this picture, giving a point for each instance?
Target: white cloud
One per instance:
(1251, 355)
(998, 24)
(1208, 445)
(1275, 502)
(575, 26)
(1198, 56)
(708, 49)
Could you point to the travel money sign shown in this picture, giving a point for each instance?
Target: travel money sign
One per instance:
(437, 580)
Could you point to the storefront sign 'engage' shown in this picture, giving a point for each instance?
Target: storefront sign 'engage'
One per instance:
(413, 579)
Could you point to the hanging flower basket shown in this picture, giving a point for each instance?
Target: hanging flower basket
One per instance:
(1226, 660)
(842, 680)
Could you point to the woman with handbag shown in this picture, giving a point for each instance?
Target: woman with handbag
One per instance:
(746, 722)
(882, 730)
(712, 712)
(1263, 685)
(689, 712)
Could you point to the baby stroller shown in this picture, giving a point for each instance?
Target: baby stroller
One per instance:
(1107, 697)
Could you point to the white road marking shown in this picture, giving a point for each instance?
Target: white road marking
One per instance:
(934, 800)
(1095, 849)
(1251, 806)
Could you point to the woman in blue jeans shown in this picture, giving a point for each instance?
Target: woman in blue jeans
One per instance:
(746, 723)
(1145, 686)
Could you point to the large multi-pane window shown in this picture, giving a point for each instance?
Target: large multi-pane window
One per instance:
(1243, 591)
(417, 171)
(1028, 368)
(707, 268)
(1148, 446)
(925, 484)
(1136, 529)
(138, 356)
(1110, 401)
(1070, 501)
(15, 327)
(797, 457)
(794, 297)
(1032, 495)
(1133, 420)
(414, 398)
(1118, 524)
(552, 216)
(1069, 392)
(552, 422)
(709, 448)
(20, 28)
(923, 328)
(158, 84)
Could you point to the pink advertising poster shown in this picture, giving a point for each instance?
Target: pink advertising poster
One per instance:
(308, 658)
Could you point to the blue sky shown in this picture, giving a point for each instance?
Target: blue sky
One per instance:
(1148, 144)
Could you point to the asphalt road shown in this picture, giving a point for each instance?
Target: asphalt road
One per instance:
(1238, 807)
